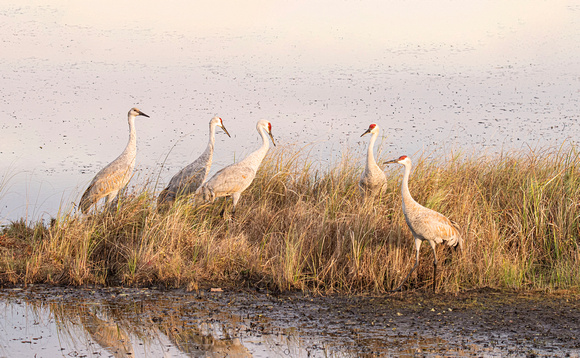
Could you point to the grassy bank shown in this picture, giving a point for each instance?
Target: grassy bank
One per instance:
(299, 227)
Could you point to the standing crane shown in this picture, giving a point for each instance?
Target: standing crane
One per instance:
(235, 178)
(117, 174)
(424, 223)
(372, 178)
(192, 176)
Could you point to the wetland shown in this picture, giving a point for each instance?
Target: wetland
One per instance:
(482, 95)
(52, 321)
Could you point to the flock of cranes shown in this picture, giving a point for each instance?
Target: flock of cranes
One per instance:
(425, 224)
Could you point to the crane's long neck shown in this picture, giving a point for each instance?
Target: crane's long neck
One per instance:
(208, 152)
(408, 200)
(370, 157)
(265, 141)
(254, 159)
(261, 153)
(131, 149)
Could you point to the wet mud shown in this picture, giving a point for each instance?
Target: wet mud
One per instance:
(219, 323)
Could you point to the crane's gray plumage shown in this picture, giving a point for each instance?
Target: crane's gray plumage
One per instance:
(424, 223)
(372, 179)
(235, 178)
(117, 174)
(192, 176)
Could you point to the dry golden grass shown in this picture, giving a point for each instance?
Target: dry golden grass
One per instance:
(299, 227)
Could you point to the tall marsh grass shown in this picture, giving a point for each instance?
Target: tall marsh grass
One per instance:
(302, 227)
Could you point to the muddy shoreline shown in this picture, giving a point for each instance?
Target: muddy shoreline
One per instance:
(473, 323)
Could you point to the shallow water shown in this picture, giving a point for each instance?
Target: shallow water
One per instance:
(465, 75)
(49, 322)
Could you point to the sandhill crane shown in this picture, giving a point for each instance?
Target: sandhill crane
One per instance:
(235, 178)
(424, 223)
(192, 176)
(117, 174)
(373, 178)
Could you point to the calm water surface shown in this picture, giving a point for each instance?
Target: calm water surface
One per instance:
(40, 321)
(151, 323)
(458, 75)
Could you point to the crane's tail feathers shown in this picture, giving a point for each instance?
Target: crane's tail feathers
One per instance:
(84, 205)
(459, 241)
(205, 193)
(197, 199)
(459, 244)
(454, 238)
(166, 197)
(455, 241)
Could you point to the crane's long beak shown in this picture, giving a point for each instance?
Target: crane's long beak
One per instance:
(368, 131)
(391, 161)
(225, 130)
(270, 133)
(142, 114)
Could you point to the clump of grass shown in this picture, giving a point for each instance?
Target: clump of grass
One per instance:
(302, 226)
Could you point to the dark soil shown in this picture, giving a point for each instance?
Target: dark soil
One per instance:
(483, 322)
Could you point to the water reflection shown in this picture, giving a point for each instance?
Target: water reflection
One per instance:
(202, 341)
(51, 322)
(103, 330)
(121, 323)
(142, 323)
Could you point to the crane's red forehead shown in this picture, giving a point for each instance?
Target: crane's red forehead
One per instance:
(372, 126)
(269, 126)
(403, 157)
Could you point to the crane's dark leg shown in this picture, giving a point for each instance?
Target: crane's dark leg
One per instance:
(223, 212)
(434, 264)
(417, 248)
